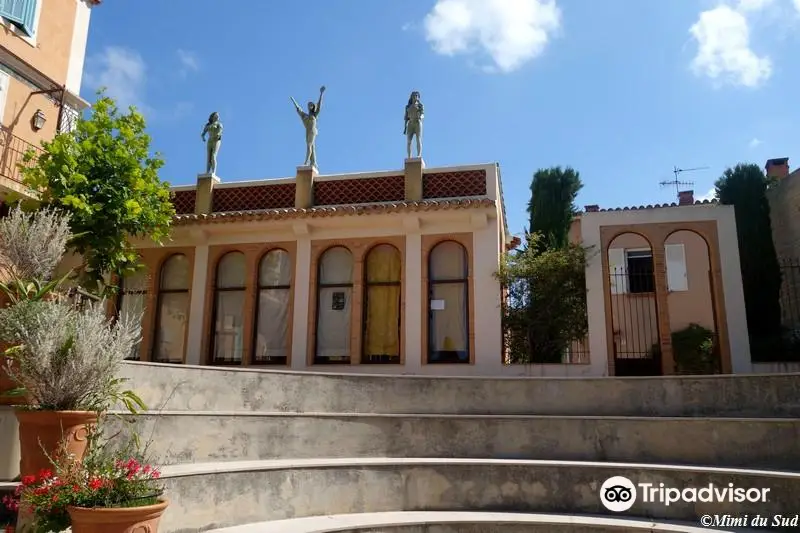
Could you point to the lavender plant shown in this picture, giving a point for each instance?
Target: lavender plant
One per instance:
(65, 354)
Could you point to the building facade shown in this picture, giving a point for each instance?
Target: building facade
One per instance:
(42, 50)
(375, 272)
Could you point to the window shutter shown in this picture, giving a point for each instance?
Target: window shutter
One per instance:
(4, 79)
(677, 278)
(617, 270)
(21, 13)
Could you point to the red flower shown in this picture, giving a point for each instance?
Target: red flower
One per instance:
(95, 483)
(28, 480)
(45, 474)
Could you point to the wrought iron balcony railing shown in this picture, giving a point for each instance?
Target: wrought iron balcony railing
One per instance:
(12, 149)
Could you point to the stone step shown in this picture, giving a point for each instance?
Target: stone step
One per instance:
(187, 437)
(215, 495)
(466, 522)
(202, 388)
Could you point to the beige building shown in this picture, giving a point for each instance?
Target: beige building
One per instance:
(42, 49)
(393, 270)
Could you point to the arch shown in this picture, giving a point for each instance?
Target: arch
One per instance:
(230, 291)
(131, 302)
(271, 343)
(691, 301)
(334, 308)
(448, 303)
(633, 305)
(172, 309)
(383, 267)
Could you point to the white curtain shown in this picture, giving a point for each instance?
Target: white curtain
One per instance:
(333, 323)
(272, 325)
(229, 327)
(173, 310)
(334, 311)
(448, 303)
(449, 325)
(132, 299)
(171, 333)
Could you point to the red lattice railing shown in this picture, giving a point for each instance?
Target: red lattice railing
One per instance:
(184, 201)
(360, 191)
(454, 184)
(12, 148)
(253, 198)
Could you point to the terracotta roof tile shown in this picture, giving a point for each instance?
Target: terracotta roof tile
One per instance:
(654, 206)
(330, 211)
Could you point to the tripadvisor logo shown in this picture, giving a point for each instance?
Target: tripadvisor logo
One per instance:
(619, 493)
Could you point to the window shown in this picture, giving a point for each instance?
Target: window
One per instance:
(132, 301)
(23, 14)
(229, 299)
(272, 312)
(641, 274)
(334, 306)
(381, 332)
(172, 311)
(5, 79)
(677, 278)
(448, 324)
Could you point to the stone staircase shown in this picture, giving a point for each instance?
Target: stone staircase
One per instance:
(257, 451)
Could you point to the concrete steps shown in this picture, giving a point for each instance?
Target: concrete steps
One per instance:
(463, 522)
(207, 495)
(196, 436)
(202, 388)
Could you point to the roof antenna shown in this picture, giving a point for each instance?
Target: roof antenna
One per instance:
(675, 182)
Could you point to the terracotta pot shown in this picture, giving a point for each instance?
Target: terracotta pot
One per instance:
(45, 431)
(118, 519)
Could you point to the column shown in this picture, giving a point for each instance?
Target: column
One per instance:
(194, 341)
(415, 314)
(304, 187)
(302, 282)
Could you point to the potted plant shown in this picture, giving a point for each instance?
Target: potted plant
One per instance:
(112, 490)
(62, 352)
(8, 512)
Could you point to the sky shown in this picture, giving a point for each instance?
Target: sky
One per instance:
(621, 90)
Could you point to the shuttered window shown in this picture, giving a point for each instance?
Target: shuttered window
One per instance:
(21, 13)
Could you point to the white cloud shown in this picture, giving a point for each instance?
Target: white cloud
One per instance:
(122, 72)
(189, 61)
(723, 46)
(754, 5)
(710, 195)
(754, 142)
(797, 4)
(511, 32)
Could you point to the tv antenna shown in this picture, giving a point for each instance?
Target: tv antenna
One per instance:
(677, 183)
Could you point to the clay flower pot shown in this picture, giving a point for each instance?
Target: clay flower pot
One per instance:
(42, 433)
(117, 519)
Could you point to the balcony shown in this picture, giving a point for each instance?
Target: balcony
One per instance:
(12, 149)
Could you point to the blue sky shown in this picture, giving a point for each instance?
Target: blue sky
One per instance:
(621, 90)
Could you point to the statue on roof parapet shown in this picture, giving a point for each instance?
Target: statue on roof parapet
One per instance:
(309, 120)
(415, 114)
(212, 129)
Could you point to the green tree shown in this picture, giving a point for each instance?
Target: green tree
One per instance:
(105, 177)
(744, 187)
(552, 205)
(545, 305)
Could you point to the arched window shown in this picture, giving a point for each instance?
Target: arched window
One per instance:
(172, 311)
(131, 301)
(381, 332)
(229, 299)
(334, 306)
(448, 323)
(271, 345)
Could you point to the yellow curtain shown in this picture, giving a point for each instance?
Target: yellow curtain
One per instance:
(383, 301)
